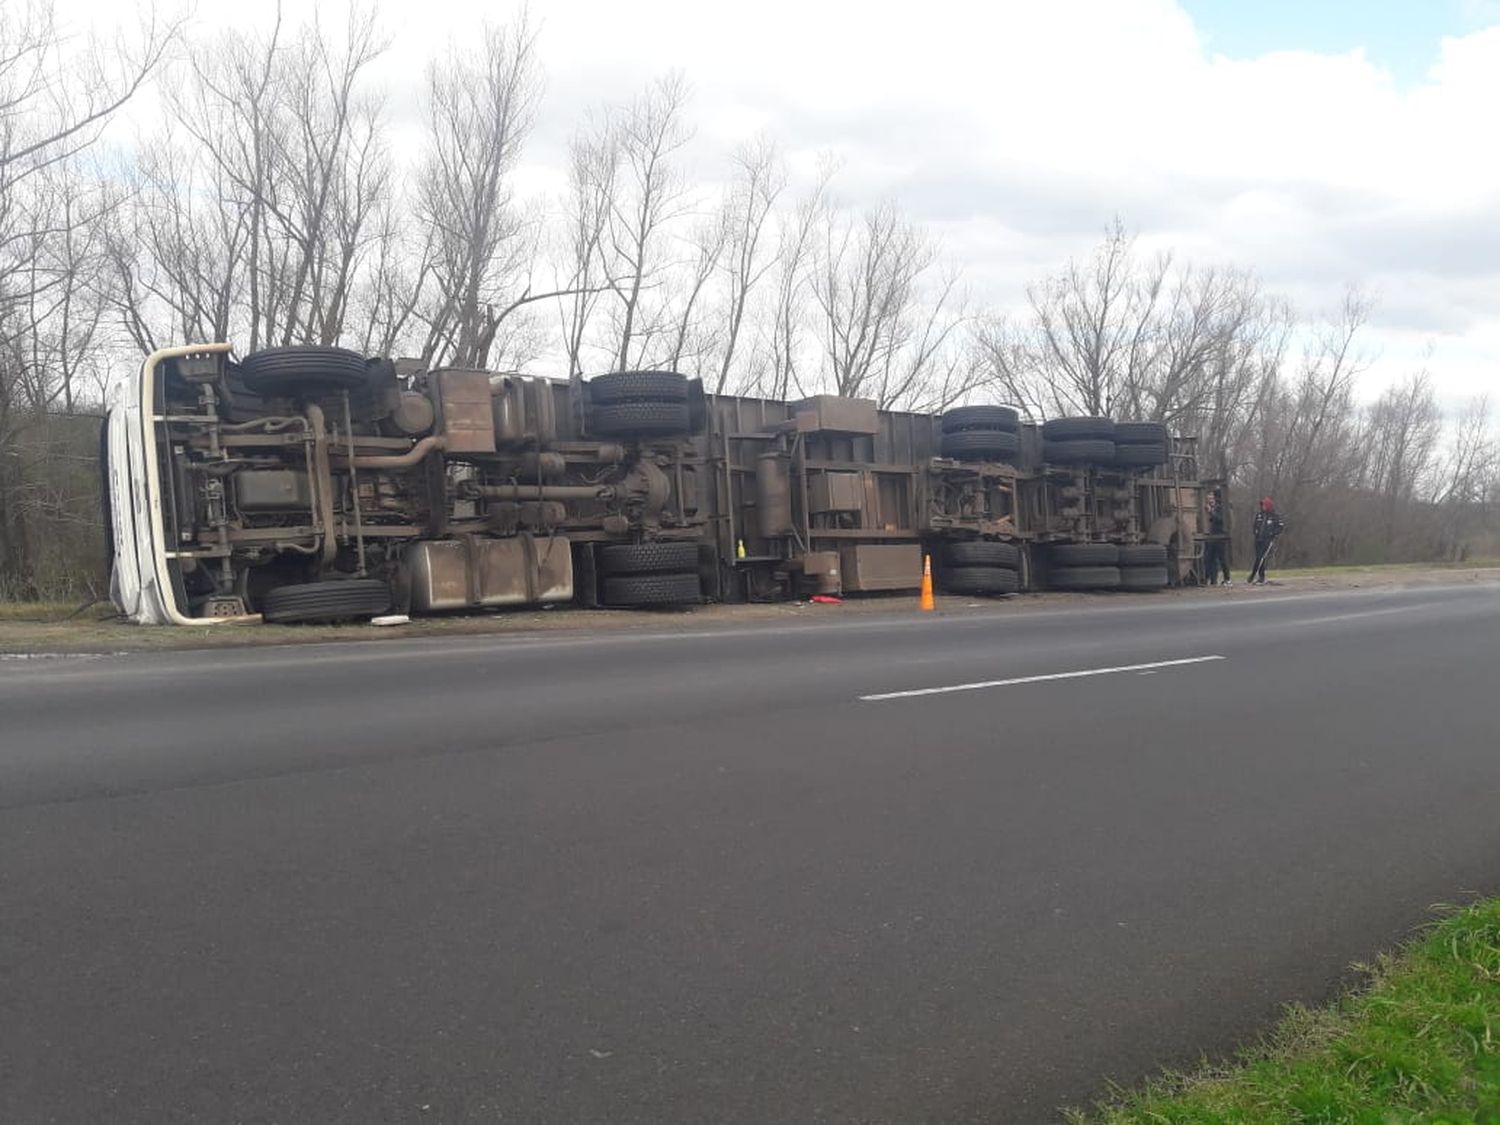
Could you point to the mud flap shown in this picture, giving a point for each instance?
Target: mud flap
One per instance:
(586, 575)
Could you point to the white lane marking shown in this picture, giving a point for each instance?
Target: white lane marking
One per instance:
(1036, 679)
(1362, 613)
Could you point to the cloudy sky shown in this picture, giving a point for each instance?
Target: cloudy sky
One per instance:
(1318, 142)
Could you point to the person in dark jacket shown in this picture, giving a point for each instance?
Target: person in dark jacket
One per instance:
(1268, 525)
(1216, 543)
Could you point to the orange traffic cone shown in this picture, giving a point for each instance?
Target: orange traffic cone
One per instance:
(929, 603)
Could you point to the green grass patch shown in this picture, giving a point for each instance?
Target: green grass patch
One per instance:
(1418, 1042)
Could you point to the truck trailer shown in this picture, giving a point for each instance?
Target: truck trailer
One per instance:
(317, 484)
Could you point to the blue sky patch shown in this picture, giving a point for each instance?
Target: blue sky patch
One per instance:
(1401, 36)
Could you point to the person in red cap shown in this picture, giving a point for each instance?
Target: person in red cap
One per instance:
(1268, 525)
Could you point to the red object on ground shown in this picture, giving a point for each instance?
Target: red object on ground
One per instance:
(826, 599)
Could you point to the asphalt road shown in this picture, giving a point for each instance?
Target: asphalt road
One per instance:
(703, 878)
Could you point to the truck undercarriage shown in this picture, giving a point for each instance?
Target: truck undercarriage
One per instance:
(313, 484)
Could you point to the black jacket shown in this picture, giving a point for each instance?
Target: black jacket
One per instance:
(1267, 526)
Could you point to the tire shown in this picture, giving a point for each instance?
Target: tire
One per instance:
(1141, 455)
(652, 589)
(1140, 433)
(1143, 554)
(639, 386)
(964, 418)
(981, 445)
(1085, 578)
(285, 371)
(1078, 451)
(349, 600)
(1143, 578)
(1083, 554)
(640, 419)
(648, 558)
(980, 552)
(1076, 429)
(980, 580)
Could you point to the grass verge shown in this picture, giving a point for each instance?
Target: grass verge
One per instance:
(1418, 1042)
(1376, 569)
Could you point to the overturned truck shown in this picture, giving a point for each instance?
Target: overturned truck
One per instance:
(316, 484)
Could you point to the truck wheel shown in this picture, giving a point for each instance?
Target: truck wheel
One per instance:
(1143, 578)
(981, 445)
(1141, 455)
(1078, 451)
(652, 589)
(1083, 554)
(1085, 578)
(648, 558)
(639, 386)
(981, 418)
(284, 371)
(1140, 433)
(1142, 554)
(980, 552)
(640, 419)
(1075, 429)
(349, 600)
(980, 580)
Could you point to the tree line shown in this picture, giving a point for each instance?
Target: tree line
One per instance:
(269, 204)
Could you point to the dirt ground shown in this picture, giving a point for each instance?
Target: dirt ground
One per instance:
(36, 631)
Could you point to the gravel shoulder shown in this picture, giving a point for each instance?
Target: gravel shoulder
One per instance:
(33, 630)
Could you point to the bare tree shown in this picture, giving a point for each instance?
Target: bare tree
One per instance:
(794, 254)
(695, 335)
(1142, 340)
(1399, 442)
(884, 328)
(179, 251)
(481, 106)
(226, 105)
(937, 366)
(56, 97)
(1305, 448)
(400, 269)
(593, 170)
(54, 102)
(1314, 444)
(1243, 375)
(759, 182)
(262, 197)
(650, 195)
(1086, 328)
(333, 174)
(1467, 477)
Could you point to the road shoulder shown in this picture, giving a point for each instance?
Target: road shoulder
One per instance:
(28, 630)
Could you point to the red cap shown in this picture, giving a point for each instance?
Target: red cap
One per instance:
(1266, 504)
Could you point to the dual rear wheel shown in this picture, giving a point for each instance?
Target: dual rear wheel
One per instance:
(649, 574)
(980, 566)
